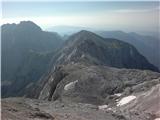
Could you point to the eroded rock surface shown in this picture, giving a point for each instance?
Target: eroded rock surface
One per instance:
(145, 106)
(96, 84)
(29, 109)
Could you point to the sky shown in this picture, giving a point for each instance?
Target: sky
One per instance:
(127, 16)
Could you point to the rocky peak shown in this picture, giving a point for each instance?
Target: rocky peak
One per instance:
(83, 36)
(88, 47)
(28, 24)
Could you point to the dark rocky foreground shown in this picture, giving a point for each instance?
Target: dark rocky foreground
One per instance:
(90, 92)
(28, 109)
(145, 106)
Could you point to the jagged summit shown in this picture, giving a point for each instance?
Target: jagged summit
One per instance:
(84, 35)
(85, 32)
(27, 22)
(29, 25)
(23, 25)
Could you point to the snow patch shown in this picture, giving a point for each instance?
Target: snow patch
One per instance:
(117, 100)
(102, 107)
(109, 109)
(118, 94)
(106, 108)
(157, 119)
(126, 100)
(51, 79)
(82, 56)
(61, 57)
(71, 54)
(70, 85)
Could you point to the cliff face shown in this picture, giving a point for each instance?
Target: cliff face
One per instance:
(26, 54)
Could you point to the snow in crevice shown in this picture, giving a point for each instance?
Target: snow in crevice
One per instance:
(72, 54)
(106, 108)
(118, 94)
(70, 85)
(102, 107)
(61, 57)
(126, 100)
(51, 79)
(82, 56)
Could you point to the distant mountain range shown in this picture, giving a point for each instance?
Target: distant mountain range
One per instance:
(86, 76)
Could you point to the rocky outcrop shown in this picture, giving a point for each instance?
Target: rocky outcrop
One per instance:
(30, 109)
(18, 109)
(96, 84)
(145, 106)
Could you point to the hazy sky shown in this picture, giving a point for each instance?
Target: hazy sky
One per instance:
(127, 16)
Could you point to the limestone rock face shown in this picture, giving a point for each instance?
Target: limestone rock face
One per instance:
(87, 70)
(31, 109)
(144, 107)
(93, 84)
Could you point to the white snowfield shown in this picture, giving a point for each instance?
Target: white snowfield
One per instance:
(126, 100)
(70, 85)
(157, 119)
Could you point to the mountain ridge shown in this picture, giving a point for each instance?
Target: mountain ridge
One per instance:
(18, 40)
(86, 77)
(88, 43)
(146, 45)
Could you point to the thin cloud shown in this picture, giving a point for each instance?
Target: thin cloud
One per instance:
(136, 10)
(122, 18)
